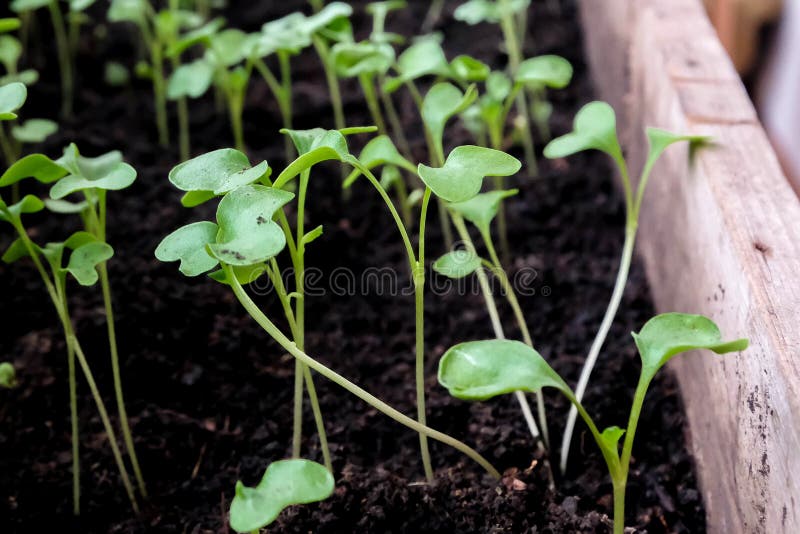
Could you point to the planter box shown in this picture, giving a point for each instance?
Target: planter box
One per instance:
(720, 235)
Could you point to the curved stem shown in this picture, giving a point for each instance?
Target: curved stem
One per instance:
(419, 315)
(338, 379)
(597, 344)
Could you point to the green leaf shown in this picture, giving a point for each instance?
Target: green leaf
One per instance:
(311, 235)
(443, 101)
(28, 204)
(202, 34)
(610, 438)
(36, 166)
(107, 172)
(423, 58)
(229, 47)
(498, 86)
(285, 483)
(457, 264)
(84, 260)
(247, 233)
(190, 80)
(134, 11)
(468, 69)
(188, 244)
(15, 251)
(476, 11)
(26, 77)
(660, 139)
(20, 6)
(669, 334)
(545, 71)
(464, 170)
(10, 52)
(288, 34)
(480, 370)
(314, 146)
(9, 24)
(65, 206)
(219, 171)
(34, 130)
(390, 175)
(8, 375)
(595, 127)
(195, 198)
(78, 239)
(80, 5)
(328, 15)
(355, 59)
(382, 151)
(245, 274)
(116, 74)
(12, 97)
(482, 208)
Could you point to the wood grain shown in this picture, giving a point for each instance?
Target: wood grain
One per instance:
(719, 235)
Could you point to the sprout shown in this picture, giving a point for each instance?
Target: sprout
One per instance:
(285, 483)
(480, 370)
(8, 375)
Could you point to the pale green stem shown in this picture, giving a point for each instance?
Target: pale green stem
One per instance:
(511, 297)
(419, 314)
(159, 93)
(334, 89)
(394, 120)
(285, 101)
(64, 62)
(372, 102)
(338, 379)
(184, 142)
(73, 415)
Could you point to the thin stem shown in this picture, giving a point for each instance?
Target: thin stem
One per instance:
(419, 315)
(159, 93)
(619, 507)
(5, 146)
(285, 102)
(338, 379)
(511, 297)
(372, 103)
(235, 109)
(394, 120)
(127, 436)
(73, 413)
(101, 408)
(64, 62)
(597, 344)
(334, 89)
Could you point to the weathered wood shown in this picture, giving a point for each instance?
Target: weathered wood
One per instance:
(720, 235)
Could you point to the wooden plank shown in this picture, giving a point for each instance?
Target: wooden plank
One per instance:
(719, 235)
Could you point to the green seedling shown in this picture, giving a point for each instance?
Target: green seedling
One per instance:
(62, 46)
(91, 178)
(246, 239)
(512, 16)
(85, 253)
(160, 31)
(8, 375)
(10, 53)
(489, 115)
(480, 370)
(595, 128)
(285, 483)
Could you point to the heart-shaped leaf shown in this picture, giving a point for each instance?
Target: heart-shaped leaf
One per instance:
(107, 172)
(314, 146)
(247, 234)
(229, 47)
(660, 139)
(285, 483)
(457, 264)
(34, 130)
(84, 260)
(476, 11)
(545, 71)
(36, 166)
(15, 251)
(423, 58)
(12, 97)
(382, 151)
(482, 208)
(480, 370)
(190, 80)
(444, 101)
(28, 204)
(188, 244)
(135, 11)
(26, 77)
(365, 58)
(595, 127)
(464, 170)
(288, 34)
(468, 69)
(669, 334)
(219, 171)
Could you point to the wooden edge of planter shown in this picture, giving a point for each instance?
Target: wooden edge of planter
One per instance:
(719, 235)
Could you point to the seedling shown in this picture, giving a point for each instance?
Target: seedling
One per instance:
(8, 375)
(91, 178)
(85, 253)
(595, 129)
(245, 241)
(481, 370)
(159, 31)
(10, 53)
(62, 46)
(285, 483)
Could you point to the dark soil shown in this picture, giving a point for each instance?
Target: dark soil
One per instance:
(210, 394)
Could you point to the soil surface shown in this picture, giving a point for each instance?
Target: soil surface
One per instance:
(209, 393)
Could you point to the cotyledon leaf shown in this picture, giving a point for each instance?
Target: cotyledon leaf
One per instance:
(188, 245)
